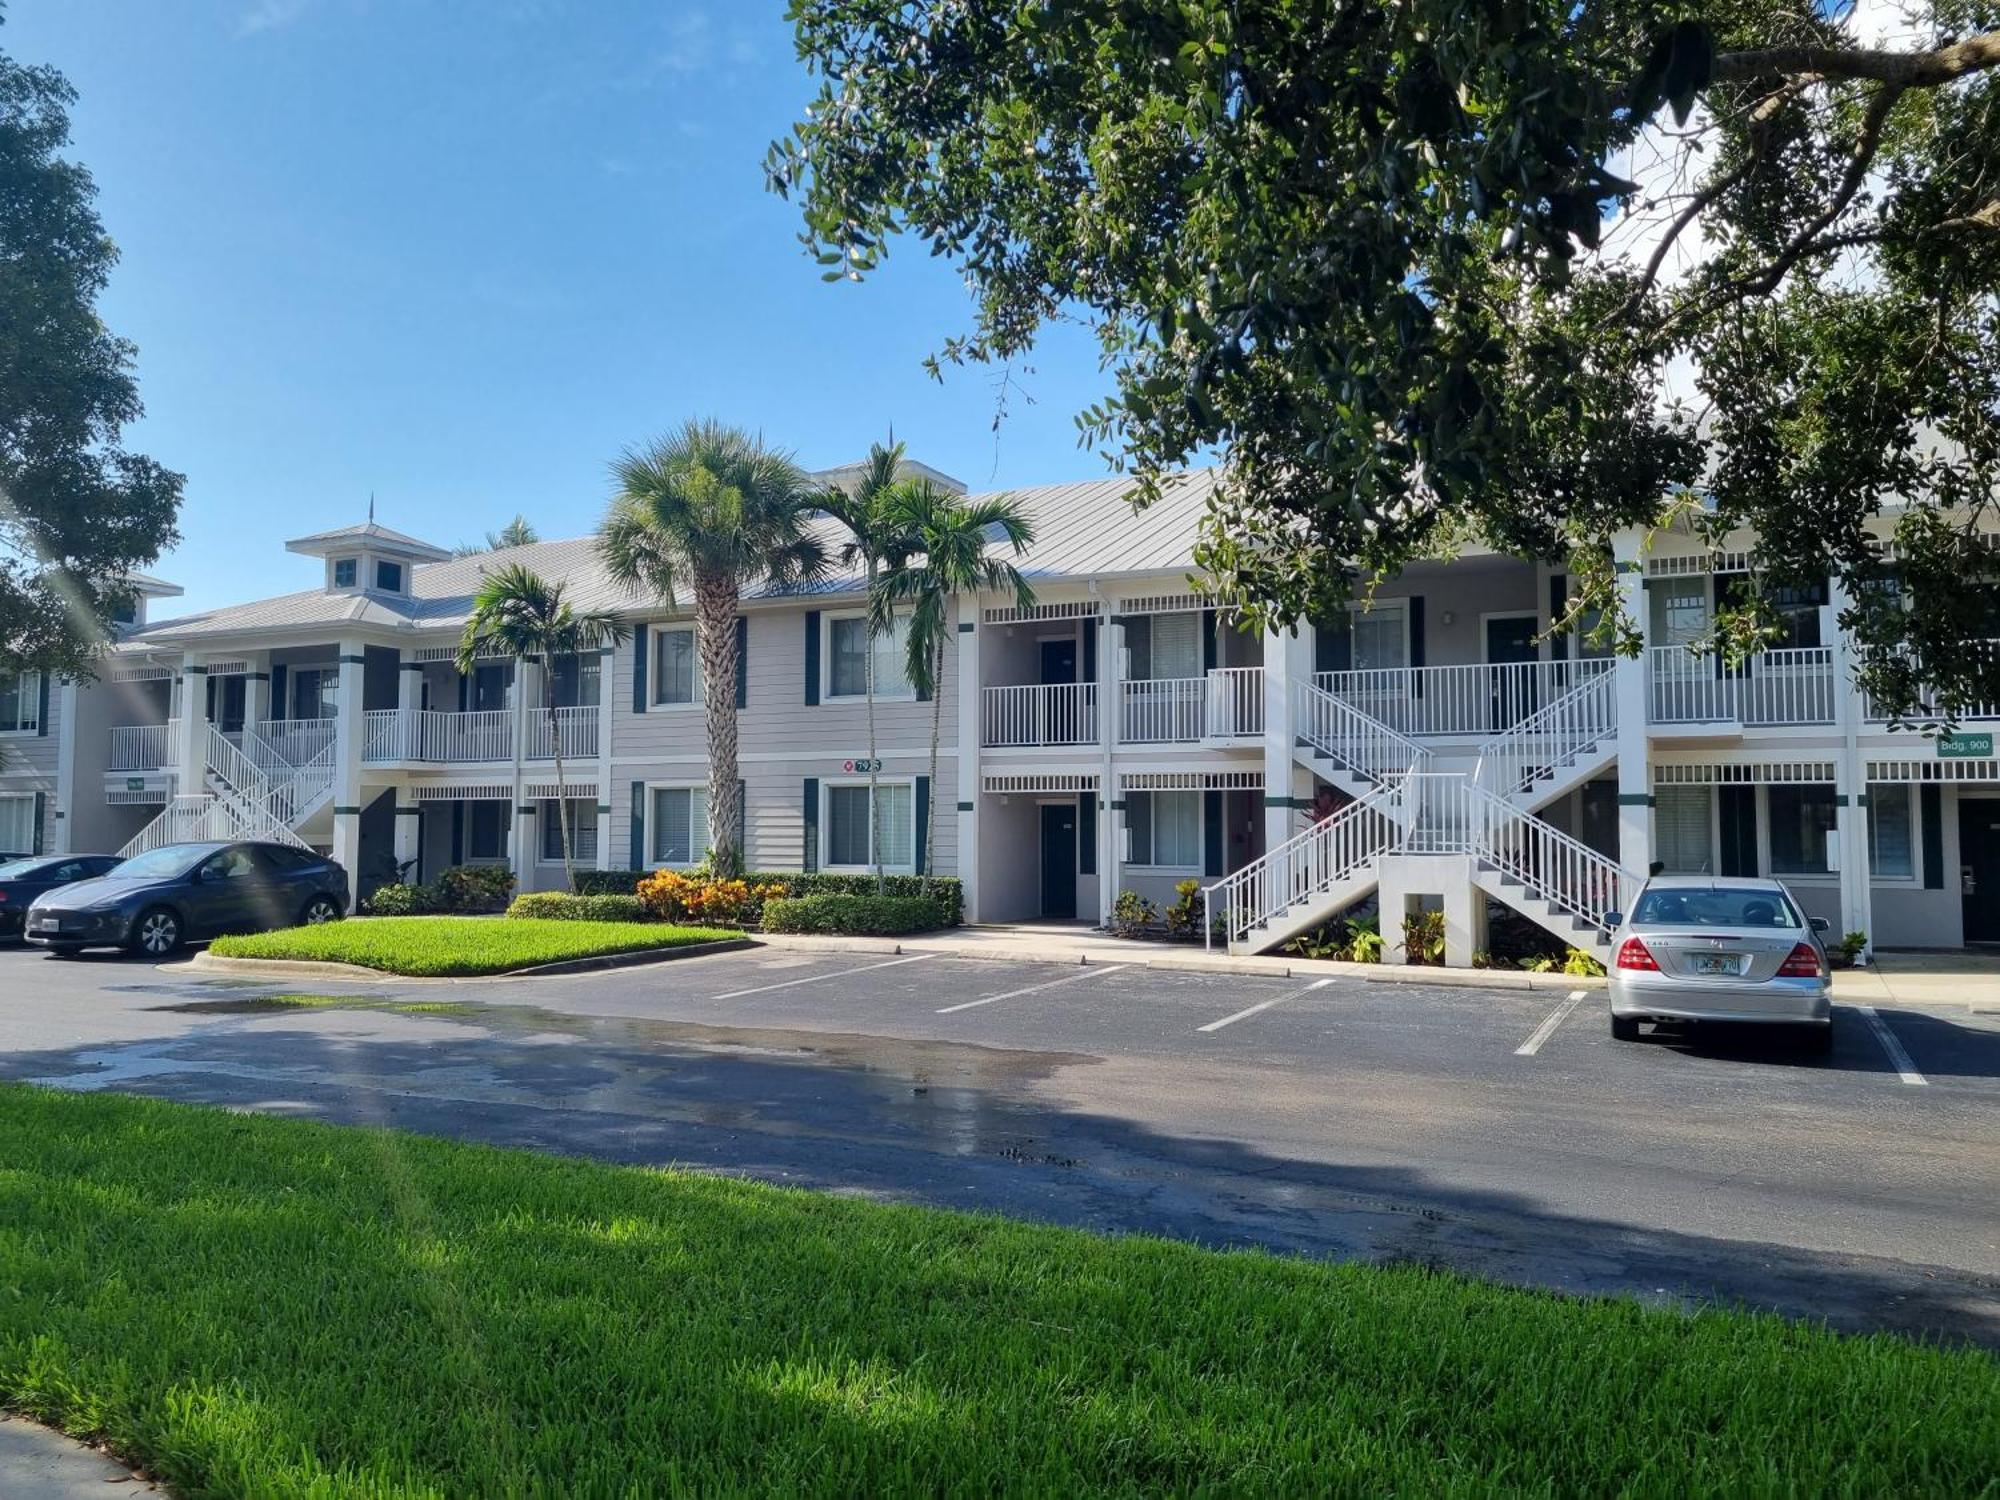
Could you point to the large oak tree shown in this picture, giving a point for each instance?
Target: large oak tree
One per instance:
(1519, 272)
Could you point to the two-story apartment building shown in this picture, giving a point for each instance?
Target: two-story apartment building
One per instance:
(1120, 735)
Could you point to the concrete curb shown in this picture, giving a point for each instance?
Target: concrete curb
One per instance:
(37, 1460)
(303, 968)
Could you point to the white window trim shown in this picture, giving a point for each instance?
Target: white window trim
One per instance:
(1358, 609)
(826, 692)
(695, 788)
(1200, 834)
(827, 786)
(30, 685)
(1915, 879)
(654, 703)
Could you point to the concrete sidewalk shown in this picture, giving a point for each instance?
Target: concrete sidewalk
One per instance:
(38, 1463)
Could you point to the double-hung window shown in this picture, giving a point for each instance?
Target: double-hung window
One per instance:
(20, 703)
(849, 833)
(17, 825)
(486, 829)
(1163, 830)
(581, 815)
(1892, 832)
(677, 825)
(1801, 825)
(848, 647)
(389, 577)
(676, 668)
(1684, 828)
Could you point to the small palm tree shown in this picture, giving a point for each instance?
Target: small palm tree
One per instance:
(714, 508)
(519, 532)
(874, 536)
(950, 536)
(523, 615)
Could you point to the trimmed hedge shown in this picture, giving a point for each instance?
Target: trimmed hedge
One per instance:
(947, 895)
(855, 916)
(563, 907)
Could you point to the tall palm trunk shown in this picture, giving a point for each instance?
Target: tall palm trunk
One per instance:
(715, 599)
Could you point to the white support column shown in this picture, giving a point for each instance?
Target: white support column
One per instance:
(1850, 773)
(189, 752)
(521, 838)
(1635, 789)
(348, 726)
(409, 835)
(607, 662)
(63, 815)
(970, 752)
(1110, 687)
(409, 701)
(1287, 660)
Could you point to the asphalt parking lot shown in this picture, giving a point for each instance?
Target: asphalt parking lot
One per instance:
(1498, 1132)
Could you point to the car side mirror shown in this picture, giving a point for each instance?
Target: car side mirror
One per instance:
(1614, 919)
(1820, 924)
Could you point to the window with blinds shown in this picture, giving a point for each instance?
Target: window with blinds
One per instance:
(1684, 829)
(1164, 647)
(1892, 833)
(847, 658)
(20, 703)
(581, 815)
(848, 834)
(676, 677)
(1381, 636)
(679, 825)
(17, 825)
(1801, 822)
(1163, 830)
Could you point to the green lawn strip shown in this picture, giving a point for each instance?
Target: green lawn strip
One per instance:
(433, 946)
(253, 1305)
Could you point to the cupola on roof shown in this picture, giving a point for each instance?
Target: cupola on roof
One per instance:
(369, 536)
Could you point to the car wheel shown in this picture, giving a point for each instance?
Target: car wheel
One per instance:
(319, 910)
(157, 932)
(65, 950)
(1816, 1039)
(1625, 1028)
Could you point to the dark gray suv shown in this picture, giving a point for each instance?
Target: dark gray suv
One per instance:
(154, 902)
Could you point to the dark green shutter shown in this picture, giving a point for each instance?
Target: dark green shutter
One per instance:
(1086, 833)
(812, 657)
(1090, 629)
(923, 821)
(1558, 602)
(1417, 644)
(1333, 645)
(457, 831)
(1209, 644)
(42, 716)
(1211, 833)
(638, 671)
(41, 812)
(742, 661)
(1738, 816)
(280, 707)
(1931, 807)
(809, 848)
(636, 842)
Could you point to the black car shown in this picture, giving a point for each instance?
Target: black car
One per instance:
(154, 902)
(22, 880)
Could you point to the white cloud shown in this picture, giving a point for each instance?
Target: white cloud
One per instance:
(270, 15)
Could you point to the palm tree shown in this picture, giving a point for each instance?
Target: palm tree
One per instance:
(519, 532)
(950, 535)
(712, 506)
(874, 535)
(523, 615)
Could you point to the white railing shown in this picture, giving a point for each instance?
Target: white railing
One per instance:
(1235, 703)
(1794, 685)
(382, 736)
(576, 727)
(141, 747)
(234, 773)
(1055, 713)
(1310, 865)
(1344, 734)
(294, 796)
(292, 741)
(1162, 710)
(478, 735)
(1480, 698)
(1551, 737)
(1926, 710)
(190, 819)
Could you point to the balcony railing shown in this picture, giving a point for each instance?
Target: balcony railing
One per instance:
(575, 728)
(1163, 710)
(141, 747)
(294, 741)
(1482, 698)
(1235, 704)
(1794, 685)
(1056, 713)
(1982, 651)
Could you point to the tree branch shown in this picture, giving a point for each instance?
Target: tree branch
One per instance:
(1914, 70)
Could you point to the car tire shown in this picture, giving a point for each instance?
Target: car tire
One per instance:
(157, 933)
(1624, 1028)
(1816, 1040)
(64, 950)
(318, 911)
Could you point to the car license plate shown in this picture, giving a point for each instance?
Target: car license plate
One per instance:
(1718, 963)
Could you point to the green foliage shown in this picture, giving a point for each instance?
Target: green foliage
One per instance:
(1584, 965)
(1132, 915)
(472, 888)
(438, 946)
(856, 915)
(560, 906)
(79, 515)
(1852, 945)
(1344, 939)
(398, 900)
(1183, 917)
(1540, 963)
(947, 891)
(1376, 259)
(1364, 940)
(407, 1315)
(1423, 937)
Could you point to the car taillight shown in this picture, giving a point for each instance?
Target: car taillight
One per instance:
(1803, 963)
(1632, 954)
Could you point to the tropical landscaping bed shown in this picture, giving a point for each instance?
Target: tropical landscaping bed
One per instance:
(252, 1305)
(437, 947)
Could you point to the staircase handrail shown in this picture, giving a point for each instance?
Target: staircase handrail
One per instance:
(190, 818)
(1360, 741)
(1575, 719)
(1318, 859)
(1557, 867)
(237, 772)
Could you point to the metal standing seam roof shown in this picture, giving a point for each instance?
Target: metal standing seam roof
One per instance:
(1085, 529)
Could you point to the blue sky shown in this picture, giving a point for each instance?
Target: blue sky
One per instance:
(460, 252)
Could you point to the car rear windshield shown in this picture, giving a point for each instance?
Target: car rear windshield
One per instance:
(1715, 908)
(18, 869)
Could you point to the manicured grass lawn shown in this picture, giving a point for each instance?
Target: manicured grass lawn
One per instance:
(460, 945)
(254, 1305)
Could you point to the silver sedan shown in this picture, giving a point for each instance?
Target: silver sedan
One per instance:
(1700, 949)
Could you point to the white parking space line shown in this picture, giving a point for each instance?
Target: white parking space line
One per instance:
(1249, 1011)
(816, 978)
(1090, 971)
(1548, 1027)
(1898, 1058)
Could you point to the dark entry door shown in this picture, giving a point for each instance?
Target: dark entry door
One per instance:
(1058, 859)
(1509, 642)
(1979, 867)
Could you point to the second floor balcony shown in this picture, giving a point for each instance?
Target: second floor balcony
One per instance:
(1769, 689)
(477, 736)
(1225, 705)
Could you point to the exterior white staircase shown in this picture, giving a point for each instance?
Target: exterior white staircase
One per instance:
(1307, 879)
(1347, 747)
(1556, 748)
(253, 792)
